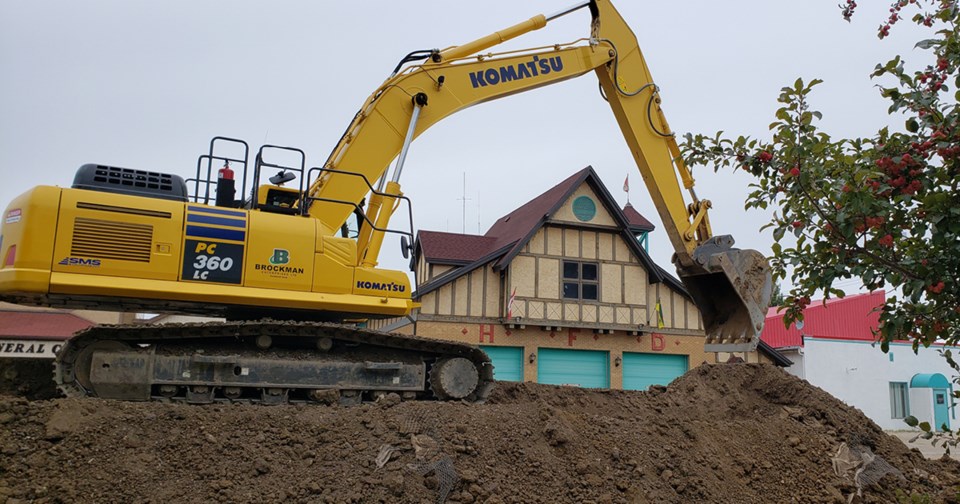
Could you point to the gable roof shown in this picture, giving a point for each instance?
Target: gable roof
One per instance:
(456, 273)
(510, 233)
(852, 317)
(637, 222)
(521, 224)
(41, 325)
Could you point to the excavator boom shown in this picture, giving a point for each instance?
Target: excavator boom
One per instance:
(730, 286)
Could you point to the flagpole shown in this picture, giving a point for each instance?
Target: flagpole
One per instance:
(626, 187)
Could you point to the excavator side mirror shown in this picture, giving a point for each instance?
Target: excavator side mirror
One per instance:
(405, 247)
(282, 178)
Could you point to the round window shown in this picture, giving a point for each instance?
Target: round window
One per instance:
(584, 208)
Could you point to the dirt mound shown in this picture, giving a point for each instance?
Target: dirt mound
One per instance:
(30, 378)
(725, 434)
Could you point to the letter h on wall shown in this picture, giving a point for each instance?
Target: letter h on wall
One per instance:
(486, 330)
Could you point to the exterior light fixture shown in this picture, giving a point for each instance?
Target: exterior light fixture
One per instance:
(617, 362)
(532, 358)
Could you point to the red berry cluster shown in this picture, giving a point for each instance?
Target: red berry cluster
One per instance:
(934, 77)
(902, 175)
(764, 157)
(895, 9)
(847, 9)
(920, 324)
(936, 288)
(872, 223)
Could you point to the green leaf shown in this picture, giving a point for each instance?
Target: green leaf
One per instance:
(912, 125)
(778, 233)
(927, 44)
(911, 421)
(925, 427)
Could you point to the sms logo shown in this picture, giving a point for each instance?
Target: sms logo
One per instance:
(79, 261)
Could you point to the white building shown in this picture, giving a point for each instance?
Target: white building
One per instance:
(834, 349)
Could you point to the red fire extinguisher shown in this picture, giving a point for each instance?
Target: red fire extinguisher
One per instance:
(225, 172)
(226, 186)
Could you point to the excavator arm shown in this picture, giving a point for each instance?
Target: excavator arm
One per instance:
(730, 286)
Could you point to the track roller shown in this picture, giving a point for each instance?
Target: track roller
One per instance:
(454, 378)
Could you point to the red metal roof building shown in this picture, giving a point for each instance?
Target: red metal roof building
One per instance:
(52, 325)
(853, 317)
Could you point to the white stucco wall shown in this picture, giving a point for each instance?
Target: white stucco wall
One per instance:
(859, 374)
(796, 355)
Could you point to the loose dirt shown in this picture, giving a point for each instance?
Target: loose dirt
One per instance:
(720, 434)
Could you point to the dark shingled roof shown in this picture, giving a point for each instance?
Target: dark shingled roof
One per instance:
(452, 248)
(637, 221)
(520, 224)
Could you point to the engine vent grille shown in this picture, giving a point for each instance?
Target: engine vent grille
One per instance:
(133, 178)
(129, 181)
(111, 240)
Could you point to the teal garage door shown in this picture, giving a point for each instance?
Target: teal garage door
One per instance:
(640, 370)
(507, 362)
(582, 368)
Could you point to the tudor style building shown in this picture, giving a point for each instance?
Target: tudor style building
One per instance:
(562, 291)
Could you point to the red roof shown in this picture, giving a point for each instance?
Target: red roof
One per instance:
(637, 221)
(849, 318)
(42, 325)
(439, 247)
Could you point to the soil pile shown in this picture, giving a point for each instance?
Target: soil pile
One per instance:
(723, 433)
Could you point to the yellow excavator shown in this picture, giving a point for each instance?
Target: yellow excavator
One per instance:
(280, 265)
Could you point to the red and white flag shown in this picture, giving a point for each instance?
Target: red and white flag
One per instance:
(513, 297)
(626, 184)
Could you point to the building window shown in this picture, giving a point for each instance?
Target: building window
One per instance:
(580, 280)
(899, 405)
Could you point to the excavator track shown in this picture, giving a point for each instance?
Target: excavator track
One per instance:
(268, 362)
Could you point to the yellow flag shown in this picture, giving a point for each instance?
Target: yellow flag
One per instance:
(659, 310)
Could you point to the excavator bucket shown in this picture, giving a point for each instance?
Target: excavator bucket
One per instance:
(732, 288)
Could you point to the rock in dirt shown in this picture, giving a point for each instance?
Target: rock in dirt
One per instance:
(727, 433)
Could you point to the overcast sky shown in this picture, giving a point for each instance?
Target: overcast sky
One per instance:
(146, 85)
